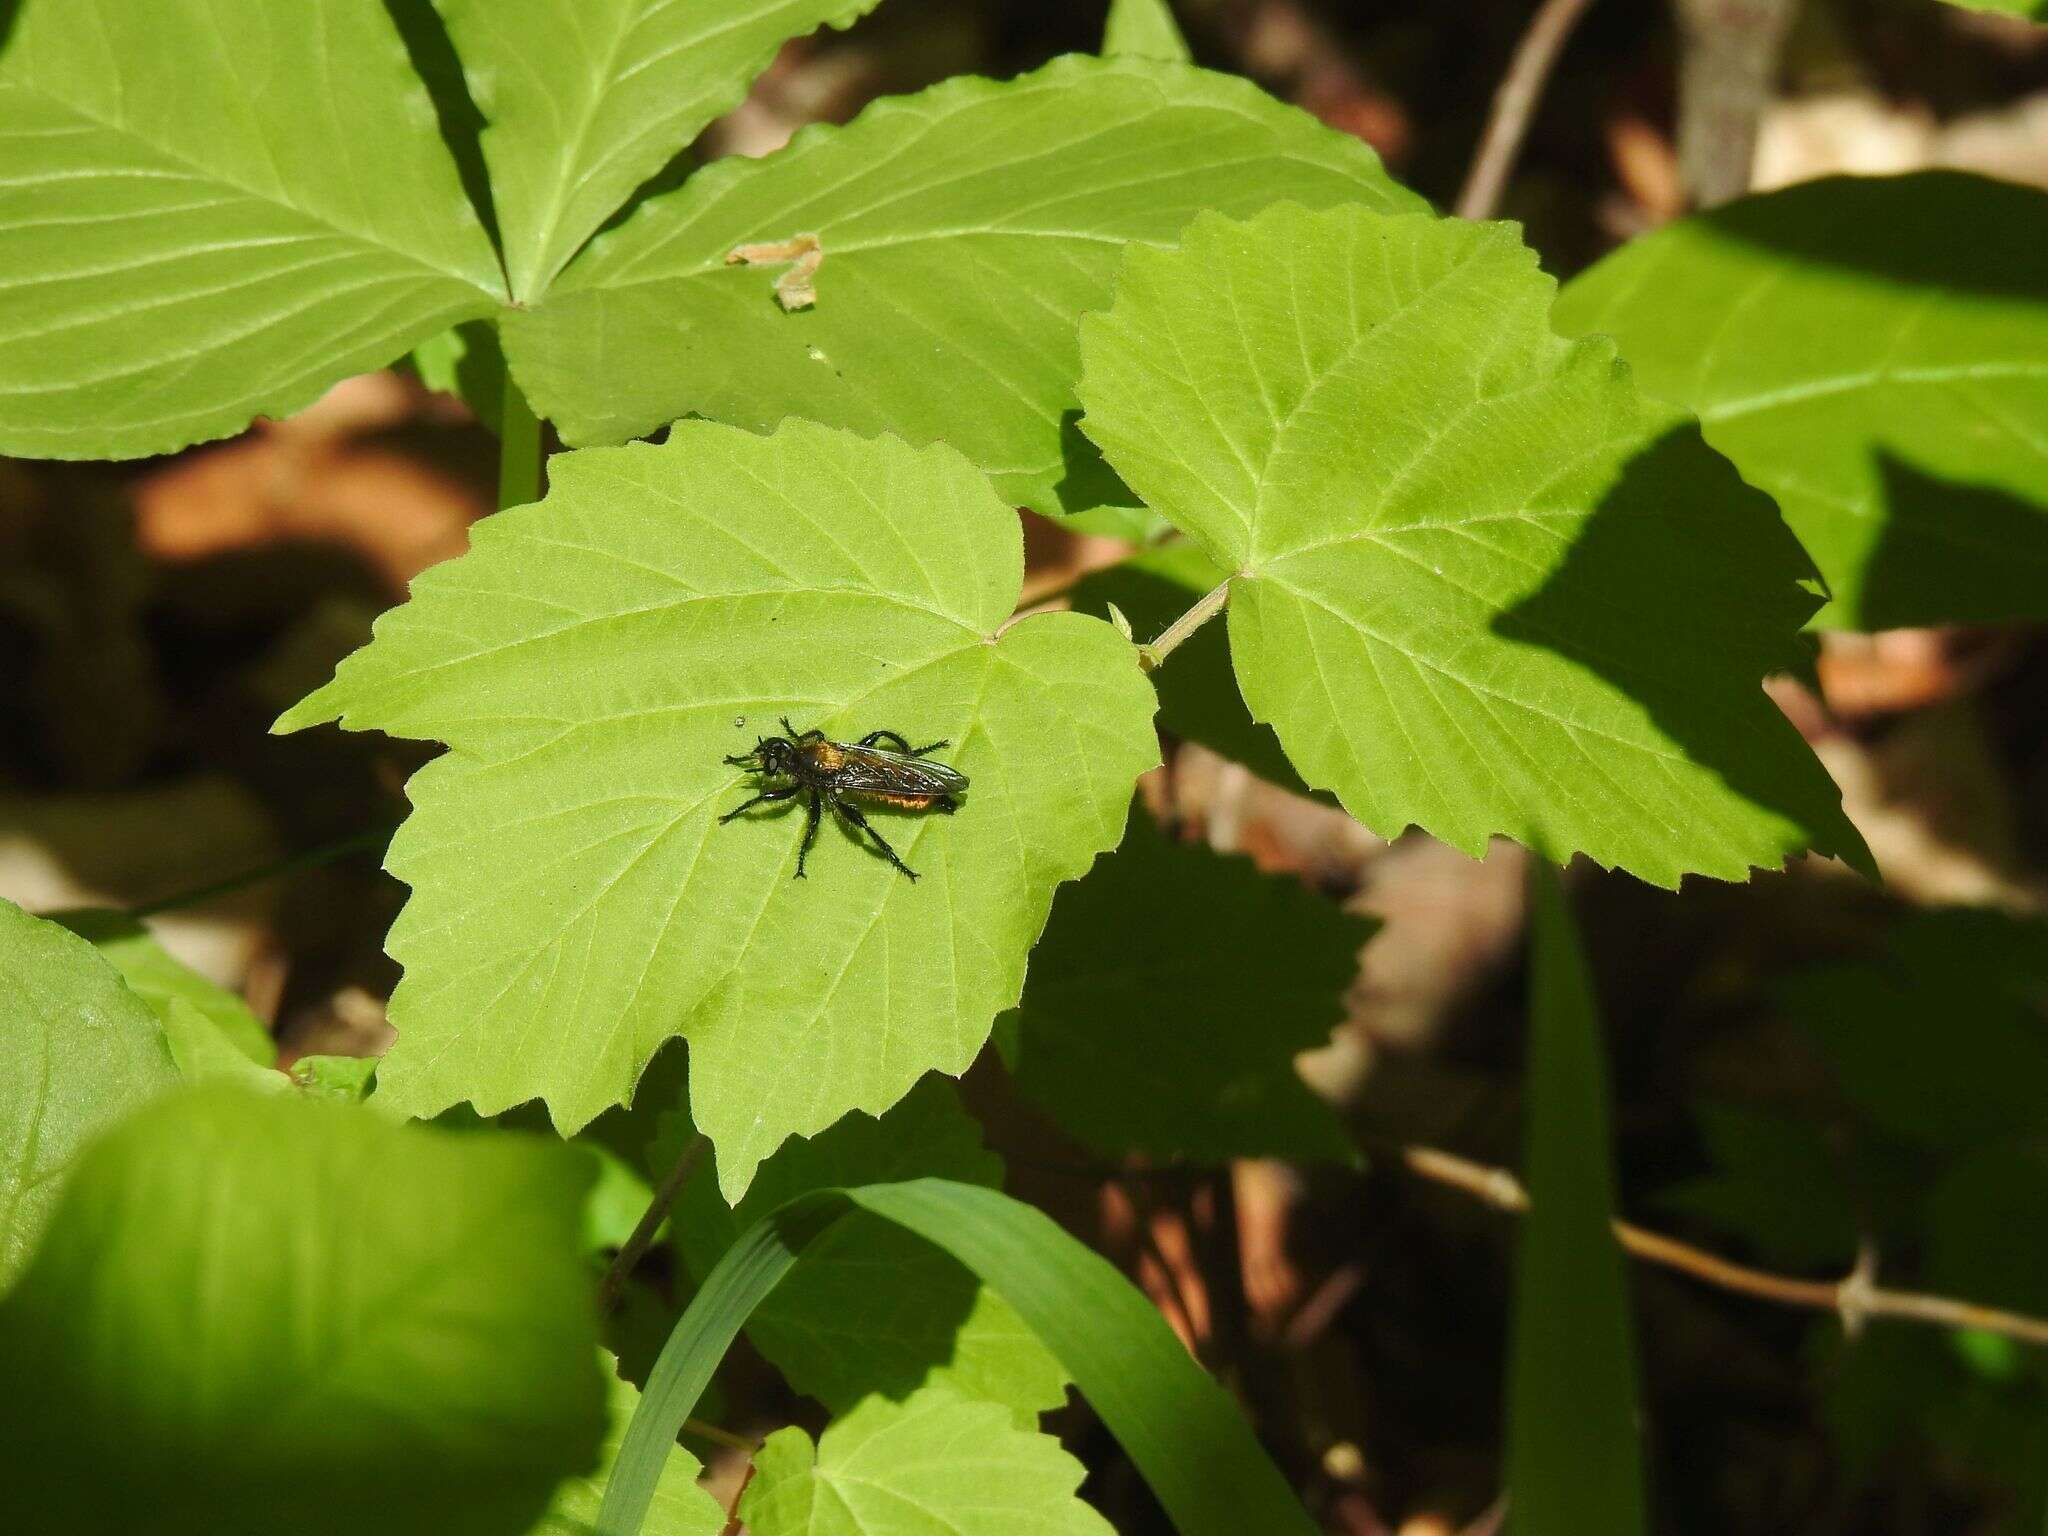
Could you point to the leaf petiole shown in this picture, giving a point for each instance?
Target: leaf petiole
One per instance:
(1206, 608)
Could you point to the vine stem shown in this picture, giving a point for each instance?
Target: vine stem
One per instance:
(1856, 1298)
(627, 1259)
(1206, 608)
(1513, 105)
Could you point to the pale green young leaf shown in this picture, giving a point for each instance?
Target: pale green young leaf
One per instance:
(204, 1053)
(211, 210)
(1873, 352)
(278, 1313)
(1574, 1442)
(680, 1507)
(963, 231)
(835, 1328)
(1480, 585)
(936, 1464)
(1143, 29)
(159, 978)
(78, 1050)
(592, 660)
(585, 102)
(1169, 997)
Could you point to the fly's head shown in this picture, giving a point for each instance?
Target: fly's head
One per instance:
(772, 756)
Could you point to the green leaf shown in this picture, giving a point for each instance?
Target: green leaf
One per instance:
(586, 102)
(1143, 29)
(1480, 586)
(1873, 352)
(211, 210)
(592, 660)
(871, 1307)
(466, 361)
(680, 1507)
(346, 1078)
(2033, 10)
(936, 1465)
(159, 979)
(1776, 1185)
(1574, 1447)
(203, 1053)
(1943, 1038)
(1198, 697)
(963, 230)
(1181, 1430)
(1169, 997)
(78, 1050)
(284, 1314)
(1987, 1226)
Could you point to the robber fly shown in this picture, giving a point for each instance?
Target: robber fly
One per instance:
(830, 772)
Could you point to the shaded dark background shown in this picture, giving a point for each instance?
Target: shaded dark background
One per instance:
(1770, 1043)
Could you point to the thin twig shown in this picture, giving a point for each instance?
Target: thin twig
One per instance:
(627, 1259)
(1206, 607)
(1514, 103)
(311, 858)
(1727, 66)
(1854, 1298)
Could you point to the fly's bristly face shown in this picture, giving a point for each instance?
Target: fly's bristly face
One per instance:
(834, 773)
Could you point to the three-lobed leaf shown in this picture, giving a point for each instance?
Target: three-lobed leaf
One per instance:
(871, 1307)
(1873, 352)
(264, 1313)
(1169, 997)
(935, 1464)
(1480, 585)
(591, 662)
(78, 1050)
(585, 102)
(963, 231)
(211, 210)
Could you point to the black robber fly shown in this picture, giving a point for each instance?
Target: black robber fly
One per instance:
(830, 772)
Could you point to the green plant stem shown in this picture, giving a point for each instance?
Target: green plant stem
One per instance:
(628, 1257)
(518, 449)
(1206, 607)
(311, 858)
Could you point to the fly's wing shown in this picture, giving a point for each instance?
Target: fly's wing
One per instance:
(875, 771)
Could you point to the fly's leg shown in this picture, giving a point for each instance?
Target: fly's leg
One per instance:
(796, 735)
(902, 743)
(811, 815)
(855, 819)
(766, 794)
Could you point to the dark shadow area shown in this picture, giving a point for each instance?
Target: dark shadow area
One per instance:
(434, 57)
(1087, 480)
(1952, 553)
(1680, 591)
(1932, 229)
